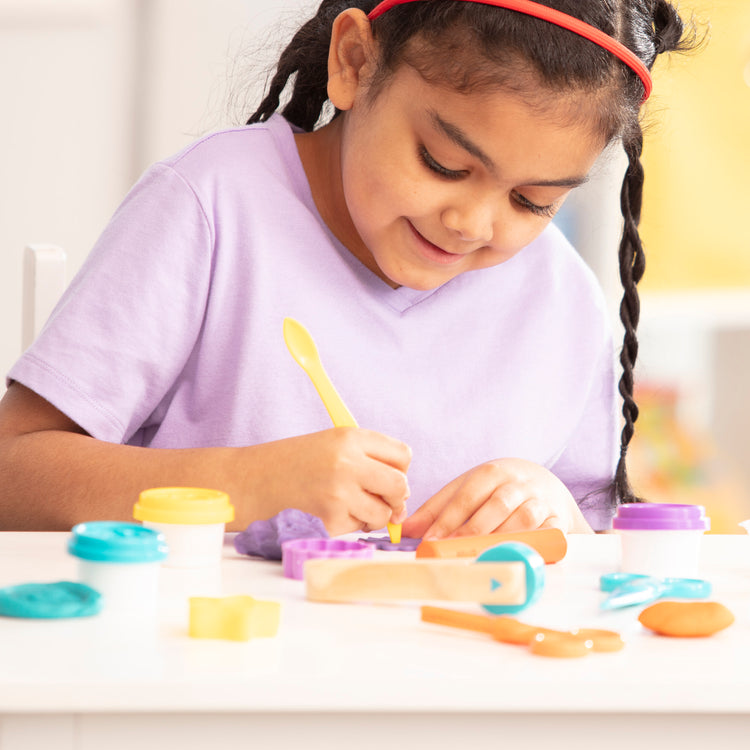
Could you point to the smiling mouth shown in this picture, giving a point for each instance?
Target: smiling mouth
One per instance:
(432, 252)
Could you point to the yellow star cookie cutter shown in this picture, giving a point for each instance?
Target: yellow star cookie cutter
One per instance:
(233, 618)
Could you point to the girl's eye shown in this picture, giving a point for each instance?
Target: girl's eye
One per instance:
(545, 211)
(438, 168)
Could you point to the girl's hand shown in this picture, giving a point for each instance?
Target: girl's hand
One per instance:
(352, 479)
(509, 494)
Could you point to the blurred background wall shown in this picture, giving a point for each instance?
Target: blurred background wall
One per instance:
(93, 91)
(693, 369)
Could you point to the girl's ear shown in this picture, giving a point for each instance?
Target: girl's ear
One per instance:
(350, 57)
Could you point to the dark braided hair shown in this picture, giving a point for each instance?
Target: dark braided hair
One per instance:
(303, 66)
(472, 46)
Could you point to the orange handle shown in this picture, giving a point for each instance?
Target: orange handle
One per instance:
(503, 628)
(543, 641)
(454, 619)
(551, 544)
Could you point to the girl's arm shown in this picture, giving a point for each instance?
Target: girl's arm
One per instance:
(55, 475)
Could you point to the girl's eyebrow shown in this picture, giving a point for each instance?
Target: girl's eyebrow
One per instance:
(457, 136)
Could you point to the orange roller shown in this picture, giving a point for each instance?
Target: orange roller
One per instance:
(551, 544)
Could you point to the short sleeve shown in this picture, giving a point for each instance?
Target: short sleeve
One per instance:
(116, 343)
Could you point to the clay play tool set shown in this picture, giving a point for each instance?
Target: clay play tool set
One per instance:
(504, 573)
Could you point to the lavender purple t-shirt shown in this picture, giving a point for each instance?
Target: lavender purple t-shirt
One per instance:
(171, 333)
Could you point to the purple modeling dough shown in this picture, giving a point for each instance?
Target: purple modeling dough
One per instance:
(264, 538)
(383, 542)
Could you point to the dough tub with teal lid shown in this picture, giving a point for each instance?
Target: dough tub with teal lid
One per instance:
(121, 561)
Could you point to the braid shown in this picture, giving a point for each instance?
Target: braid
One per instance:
(304, 65)
(666, 33)
(632, 266)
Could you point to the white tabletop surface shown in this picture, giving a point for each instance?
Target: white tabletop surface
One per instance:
(364, 658)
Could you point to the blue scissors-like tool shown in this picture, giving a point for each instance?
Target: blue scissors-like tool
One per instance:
(629, 589)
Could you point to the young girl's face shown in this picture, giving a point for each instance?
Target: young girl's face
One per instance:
(435, 183)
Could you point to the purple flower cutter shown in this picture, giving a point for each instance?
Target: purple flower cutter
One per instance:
(661, 517)
(297, 551)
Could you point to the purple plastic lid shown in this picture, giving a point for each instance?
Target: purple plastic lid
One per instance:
(661, 517)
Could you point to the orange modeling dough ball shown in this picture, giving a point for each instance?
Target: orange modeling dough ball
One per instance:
(686, 619)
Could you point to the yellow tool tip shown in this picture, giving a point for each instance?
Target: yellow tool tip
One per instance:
(394, 532)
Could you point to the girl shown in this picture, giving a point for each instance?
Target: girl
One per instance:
(410, 231)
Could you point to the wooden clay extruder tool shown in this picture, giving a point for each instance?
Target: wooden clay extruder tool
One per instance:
(551, 544)
(503, 579)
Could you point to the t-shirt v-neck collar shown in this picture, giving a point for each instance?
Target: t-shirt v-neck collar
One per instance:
(400, 299)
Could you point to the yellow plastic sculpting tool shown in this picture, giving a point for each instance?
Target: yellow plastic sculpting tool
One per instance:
(302, 347)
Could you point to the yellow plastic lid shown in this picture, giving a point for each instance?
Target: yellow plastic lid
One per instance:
(184, 505)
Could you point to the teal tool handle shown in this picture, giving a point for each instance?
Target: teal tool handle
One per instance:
(534, 564)
(629, 589)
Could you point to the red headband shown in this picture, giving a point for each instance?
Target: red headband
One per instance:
(559, 19)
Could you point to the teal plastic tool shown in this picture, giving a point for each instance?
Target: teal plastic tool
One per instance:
(534, 564)
(630, 589)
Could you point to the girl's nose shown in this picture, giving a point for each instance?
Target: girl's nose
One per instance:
(472, 221)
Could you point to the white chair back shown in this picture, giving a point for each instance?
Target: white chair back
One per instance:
(43, 284)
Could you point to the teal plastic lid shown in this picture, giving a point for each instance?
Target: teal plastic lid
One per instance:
(116, 542)
(49, 600)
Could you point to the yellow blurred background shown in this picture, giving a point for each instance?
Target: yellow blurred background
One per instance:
(696, 290)
(697, 156)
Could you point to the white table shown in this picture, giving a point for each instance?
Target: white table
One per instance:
(338, 674)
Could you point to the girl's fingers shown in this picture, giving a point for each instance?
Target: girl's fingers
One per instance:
(386, 449)
(502, 495)
(529, 515)
(469, 496)
(425, 516)
(488, 501)
(386, 483)
(370, 511)
(369, 474)
(553, 522)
